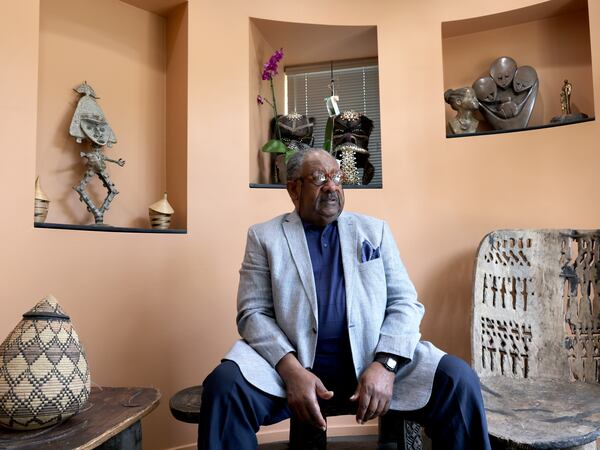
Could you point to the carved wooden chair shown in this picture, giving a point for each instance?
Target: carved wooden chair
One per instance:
(536, 337)
(394, 433)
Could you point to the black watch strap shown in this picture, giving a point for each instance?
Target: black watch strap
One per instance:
(388, 361)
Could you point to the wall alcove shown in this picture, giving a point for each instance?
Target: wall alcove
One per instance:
(134, 54)
(311, 53)
(553, 37)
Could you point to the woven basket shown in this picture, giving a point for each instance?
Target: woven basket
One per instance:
(42, 202)
(160, 213)
(44, 375)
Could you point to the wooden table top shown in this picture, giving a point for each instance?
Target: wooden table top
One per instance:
(108, 412)
(542, 413)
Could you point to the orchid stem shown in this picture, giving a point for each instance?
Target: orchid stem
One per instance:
(274, 105)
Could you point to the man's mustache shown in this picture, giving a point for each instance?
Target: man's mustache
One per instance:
(329, 196)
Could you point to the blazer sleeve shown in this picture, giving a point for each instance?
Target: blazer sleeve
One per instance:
(256, 316)
(399, 333)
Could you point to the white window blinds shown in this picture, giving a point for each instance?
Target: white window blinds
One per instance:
(357, 85)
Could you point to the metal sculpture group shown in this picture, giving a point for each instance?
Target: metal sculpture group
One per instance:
(505, 97)
(90, 123)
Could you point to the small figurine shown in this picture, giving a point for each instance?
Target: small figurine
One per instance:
(565, 106)
(464, 102)
(90, 123)
(565, 97)
(507, 96)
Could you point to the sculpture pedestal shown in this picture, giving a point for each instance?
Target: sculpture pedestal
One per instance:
(566, 118)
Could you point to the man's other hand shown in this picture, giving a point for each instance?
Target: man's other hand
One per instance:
(303, 387)
(373, 393)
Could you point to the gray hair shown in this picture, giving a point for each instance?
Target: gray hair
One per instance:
(294, 164)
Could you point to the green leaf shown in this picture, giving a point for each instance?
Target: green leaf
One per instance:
(288, 154)
(274, 146)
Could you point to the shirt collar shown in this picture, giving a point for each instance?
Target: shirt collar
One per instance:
(310, 227)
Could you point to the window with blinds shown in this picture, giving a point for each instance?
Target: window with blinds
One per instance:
(356, 84)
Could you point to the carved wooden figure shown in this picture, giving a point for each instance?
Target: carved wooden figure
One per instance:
(536, 337)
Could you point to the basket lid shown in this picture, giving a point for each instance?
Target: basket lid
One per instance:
(39, 193)
(46, 308)
(162, 206)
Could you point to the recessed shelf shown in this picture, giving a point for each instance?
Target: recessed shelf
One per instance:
(538, 127)
(553, 37)
(137, 62)
(106, 228)
(307, 62)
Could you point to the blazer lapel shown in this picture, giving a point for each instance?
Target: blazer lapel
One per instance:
(294, 233)
(347, 232)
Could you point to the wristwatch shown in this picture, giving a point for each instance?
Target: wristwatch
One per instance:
(389, 362)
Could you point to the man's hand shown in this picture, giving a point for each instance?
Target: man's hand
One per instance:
(373, 393)
(303, 388)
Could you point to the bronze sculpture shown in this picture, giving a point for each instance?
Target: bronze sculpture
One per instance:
(507, 96)
(90, 123)
(567, 115)
(565, 97)
(464, 102)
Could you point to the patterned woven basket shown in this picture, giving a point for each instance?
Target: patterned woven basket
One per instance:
(44, 375)
(160, 213)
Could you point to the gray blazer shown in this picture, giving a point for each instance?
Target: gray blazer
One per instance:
(277, 306)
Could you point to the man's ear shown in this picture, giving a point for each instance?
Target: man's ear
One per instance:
(293, 188)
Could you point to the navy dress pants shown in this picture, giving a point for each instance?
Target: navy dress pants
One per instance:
(233, 410)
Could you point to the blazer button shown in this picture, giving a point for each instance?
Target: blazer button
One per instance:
(314, 330)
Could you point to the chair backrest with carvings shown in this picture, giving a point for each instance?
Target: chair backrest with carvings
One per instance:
(536, 305)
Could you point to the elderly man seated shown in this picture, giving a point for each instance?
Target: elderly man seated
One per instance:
(327, 313)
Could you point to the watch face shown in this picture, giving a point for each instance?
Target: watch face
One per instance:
(391, 363)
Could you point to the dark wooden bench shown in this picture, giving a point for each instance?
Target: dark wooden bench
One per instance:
(111, 420)
(394, 433)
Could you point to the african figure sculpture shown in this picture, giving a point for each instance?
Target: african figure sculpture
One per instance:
(507, 96)
(294, 130)
(464, 102)
(90, 123)
(567, 115)
(350, 143)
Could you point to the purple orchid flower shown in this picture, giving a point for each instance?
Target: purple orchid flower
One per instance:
(271, 66)
(269, 71)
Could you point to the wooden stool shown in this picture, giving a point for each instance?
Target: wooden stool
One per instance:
(536, 337)
(394, 433)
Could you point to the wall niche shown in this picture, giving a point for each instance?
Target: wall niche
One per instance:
(553, 37)
(318, 49)
(135, 55)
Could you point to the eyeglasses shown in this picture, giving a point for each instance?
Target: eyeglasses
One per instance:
(320, 178)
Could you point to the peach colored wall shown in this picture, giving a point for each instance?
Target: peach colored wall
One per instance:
(558, 48)
(176, 113)
(159, 309)
(120, 50)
